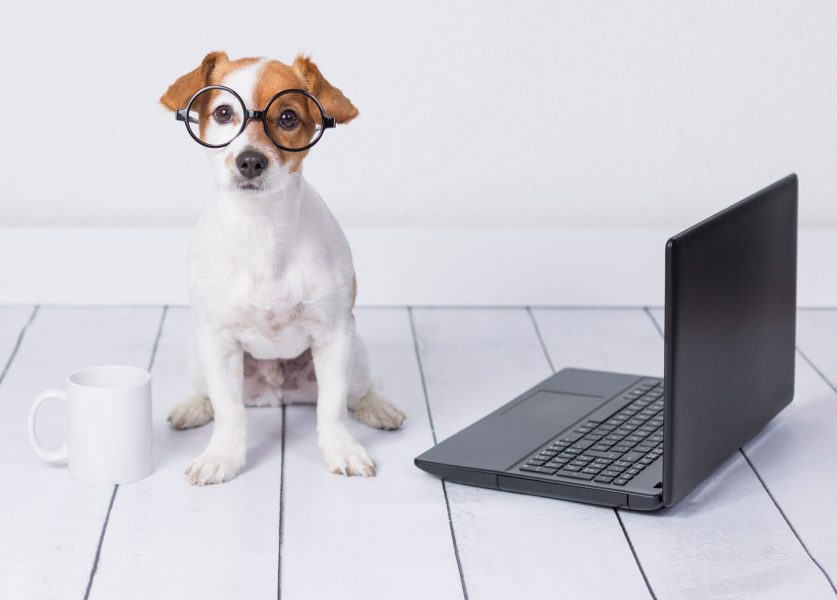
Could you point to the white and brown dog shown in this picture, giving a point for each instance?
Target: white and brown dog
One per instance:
(272, 283)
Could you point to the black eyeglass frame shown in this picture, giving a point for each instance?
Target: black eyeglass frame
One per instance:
(182, 114)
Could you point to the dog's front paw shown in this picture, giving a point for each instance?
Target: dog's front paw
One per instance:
(214, 467)
(344, 456)
(194, 412)
(376, 411)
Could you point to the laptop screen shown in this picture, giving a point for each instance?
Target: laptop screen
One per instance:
(730, 326)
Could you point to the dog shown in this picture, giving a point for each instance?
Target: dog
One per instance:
(272, 284)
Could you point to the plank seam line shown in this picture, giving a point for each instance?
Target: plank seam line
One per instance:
(813, 366)
(654, 322)
(433, 432)
(759, 477)
(615, 510)
(281, 506)
(540, 338)
(790, 525)
(18, 342)
(99, 545)
(635, 555)
(116, 487)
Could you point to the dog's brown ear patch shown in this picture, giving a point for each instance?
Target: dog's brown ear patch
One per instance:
(335, 103)
(184, 88)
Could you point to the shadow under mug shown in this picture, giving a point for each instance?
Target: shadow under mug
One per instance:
(109, 425)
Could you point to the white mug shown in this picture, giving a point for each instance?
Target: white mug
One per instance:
(109, 425)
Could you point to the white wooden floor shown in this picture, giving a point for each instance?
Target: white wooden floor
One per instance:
(765, 526)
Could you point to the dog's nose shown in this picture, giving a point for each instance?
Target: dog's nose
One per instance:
(251, 164)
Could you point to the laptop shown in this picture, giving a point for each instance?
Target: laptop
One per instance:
(643, 443)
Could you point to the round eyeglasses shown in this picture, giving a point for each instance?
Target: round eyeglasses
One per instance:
(294, 120)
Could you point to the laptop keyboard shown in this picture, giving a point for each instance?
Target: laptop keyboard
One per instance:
(613, 450)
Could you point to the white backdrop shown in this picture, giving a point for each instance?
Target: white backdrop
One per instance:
(571, 114)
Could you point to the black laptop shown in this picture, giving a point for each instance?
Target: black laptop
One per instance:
(639, 442)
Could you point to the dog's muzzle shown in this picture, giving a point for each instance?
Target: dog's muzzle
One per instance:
(251, 164)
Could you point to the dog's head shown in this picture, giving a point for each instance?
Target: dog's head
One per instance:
(253, 161)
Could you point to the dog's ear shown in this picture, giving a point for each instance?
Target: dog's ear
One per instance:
(181, 90)
(334, 102)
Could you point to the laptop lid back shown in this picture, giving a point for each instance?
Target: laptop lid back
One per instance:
(730, 332)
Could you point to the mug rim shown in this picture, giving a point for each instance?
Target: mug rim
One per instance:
(145, 377)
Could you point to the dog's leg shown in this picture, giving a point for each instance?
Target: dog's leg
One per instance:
(333, 355)
(222, 361)
(196, 410)
(367, 403)
(192, 412)
(376, 411)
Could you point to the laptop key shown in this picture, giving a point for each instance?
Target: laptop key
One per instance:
(609, 455)
(603, 479)
(575, 475)
(535, 463)
(632, 456)
(541, 470)
(620, 481)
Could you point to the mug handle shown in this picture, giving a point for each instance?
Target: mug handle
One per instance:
(51, 456)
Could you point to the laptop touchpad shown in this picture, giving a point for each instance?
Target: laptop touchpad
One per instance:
(556, 408)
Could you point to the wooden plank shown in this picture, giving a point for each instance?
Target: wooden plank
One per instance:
(50, 524)
(513, 546)
(360, 538)
(796, 455)
(727, 539)
(173, 540)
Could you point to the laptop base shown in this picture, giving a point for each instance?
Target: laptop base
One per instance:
(490, 452)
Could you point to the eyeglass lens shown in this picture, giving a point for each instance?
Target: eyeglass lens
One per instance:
(215, 117)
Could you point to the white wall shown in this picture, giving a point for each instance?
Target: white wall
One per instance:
(473, 114)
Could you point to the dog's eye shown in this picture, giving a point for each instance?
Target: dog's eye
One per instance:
(288, 119)
(223, 114)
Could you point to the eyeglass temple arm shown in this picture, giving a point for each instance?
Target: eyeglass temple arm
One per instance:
(182, 115)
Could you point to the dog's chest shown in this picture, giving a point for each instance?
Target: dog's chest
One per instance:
(266, 314)
(269, 320)
(271, 332)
